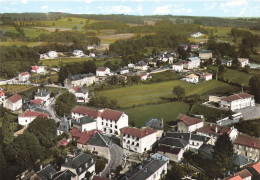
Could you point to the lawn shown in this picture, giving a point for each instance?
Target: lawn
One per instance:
(15, 88)
(234, 76)
(152, 93)
(165, 76)
(168, 112)
(68, 60)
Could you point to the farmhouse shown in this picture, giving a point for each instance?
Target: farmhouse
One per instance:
(23, 77)
(14, 102)
(188, 124)
(44, 95)
(191, 63)
(38, 69)
(191, 78)
(81, 94)
(138, 140)
(80, 80)
(177, 67)
(213, 131)
(2, 97)
(243, 61)
(206, 77)
(141, 65)
(150, 169)
(78, 53)
(247, 146)
(144, 76)
(237, 101)
(107, 120)
(103, 71)
(79, 165)
(205, 54)
(28, 116)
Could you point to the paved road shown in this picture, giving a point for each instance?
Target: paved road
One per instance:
(116, 159)
(250, 112)
(51, 110)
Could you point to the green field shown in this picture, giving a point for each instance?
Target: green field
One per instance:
(165, 76)
(68, 60)
(235, 76)
(167, 111)
(20, 43)
(8, 88)
(152, 93)
(33, 32)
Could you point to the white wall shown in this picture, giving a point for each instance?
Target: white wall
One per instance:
(13, 106)
(25, 120)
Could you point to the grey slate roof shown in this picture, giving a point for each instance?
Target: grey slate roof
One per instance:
(42, 92)
(154, 124)
(144, 170)
(180, 143)
(64, 125)
(187, 136)
(83, 120)
(79, 162)
(83, 90)
(205, 51)
(64, 175)
(46, 172)
(240, 160)
(99, 139)
(79, 76)
(206, 150)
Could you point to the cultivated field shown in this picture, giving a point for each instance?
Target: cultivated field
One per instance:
(15, 88)
(152, 93)
(20, 43)
(167, 112)
(116, 36)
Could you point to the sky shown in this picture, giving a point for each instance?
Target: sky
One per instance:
(217, 8)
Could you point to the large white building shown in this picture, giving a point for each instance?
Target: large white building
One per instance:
(191, 63)
(14, 102)
(23, 77)
(38, 69)
(28, 116)
(49, 55)
(237, 101)
(177, 67)
(81, 94)
(103, 71)
(205, 54)
(188, 124)
(141, 65)
(192, 78)
(80, 80)
(107, 120)
(138, 140)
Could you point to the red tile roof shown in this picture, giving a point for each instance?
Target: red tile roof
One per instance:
(101, 69)
(211, 129)
(138, 132)
(237, 97)
(2, 93)
(24, 73)
(233, 178)
(76, 88)
(189, 121)
(36, 101)
(85, 136)
(29, 113)
(15, 98)
(111, 114)
(75, 132)
(86, 111)
(35, 68)
(248, 141)
(243, 174)
(257, 167)
(142, 75)
(99, 178)
(206, 75)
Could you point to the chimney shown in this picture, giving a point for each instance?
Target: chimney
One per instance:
(41, 167)
(216, 129)
(50, 175)
(162, 123)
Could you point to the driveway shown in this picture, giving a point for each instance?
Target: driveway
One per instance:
(250, 112)
(116, 159)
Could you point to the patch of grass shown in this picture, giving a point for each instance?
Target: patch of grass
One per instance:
(9, 88)
(33, 32)
(20, 43)
(234, 76)
(152, 93)
(9, 28)
(165, 76)
(167, 111)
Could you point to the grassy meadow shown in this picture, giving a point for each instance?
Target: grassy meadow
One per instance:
(9, 88)
(141, 94)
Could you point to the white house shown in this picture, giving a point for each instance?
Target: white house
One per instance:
(214, 131)
(92, 55)
(85, 123)
(107, 120)
(80, 80)
(192, 78)
(144, 76)
(38, 69)
(193, 62)
(124, 70)
(131, 65)
(49, 55)
(237, 101)
(2, 97)
(188, 124)
(28, 116)
(23, 77)
(197, 34)
(138, 140)
(80, 165)
(78, 53)
(150, 169)
(14, 102)
(44, 95)
(103, 71)
(206, 77)
(177, 67)
(81, 94)
(243, 61)
(141, 65)
(205, 54)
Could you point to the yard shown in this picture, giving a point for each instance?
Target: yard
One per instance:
(141, 94)
(167, 111)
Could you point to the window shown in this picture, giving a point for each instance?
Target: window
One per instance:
(106, 124)
(116, 126)
(110, 125)
(102, 123)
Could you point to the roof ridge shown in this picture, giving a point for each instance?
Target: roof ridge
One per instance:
(102, 138)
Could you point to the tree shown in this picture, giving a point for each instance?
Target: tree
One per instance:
(45, 131)
(7, 129)
(222, 155)
(182, 53)
(236, 64)
(179, 92)
(64, 103)
(254, 84)
(176, 172)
